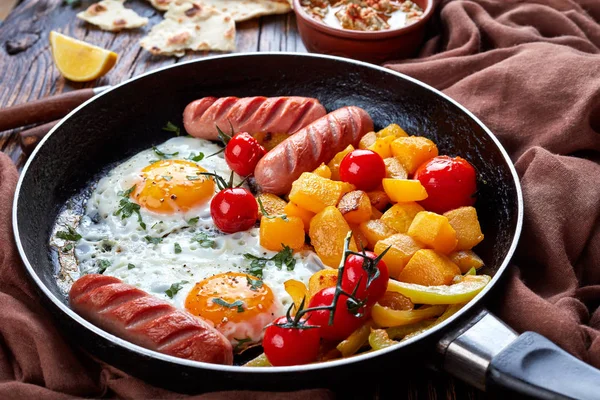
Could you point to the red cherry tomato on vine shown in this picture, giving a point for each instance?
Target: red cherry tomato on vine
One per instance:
(344, 321)
(360, 269)
(450, 183)
(290, 346)
(242, 153)
(363, 168)
(234, 210)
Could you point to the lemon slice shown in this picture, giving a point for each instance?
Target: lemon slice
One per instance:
(80, 61)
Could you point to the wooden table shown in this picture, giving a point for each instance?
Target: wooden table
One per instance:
(30, 74)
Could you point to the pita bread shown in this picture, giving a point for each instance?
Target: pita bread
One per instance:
(162, 5)
(111, 15)
(190, 25)
(242, 10)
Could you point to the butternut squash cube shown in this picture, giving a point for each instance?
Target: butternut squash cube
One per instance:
(334, 164)
(313, 192)
(270, 140)
(392, 130)
(466, 259)
(327, 232)
(402, 249)
(375, 213)
(375, 230)
(404, 190)
(274, 205)
(323, 171)
(428, 268)
(400, 216)
(466, 224)
(379, 199)
(359, 238)
(320, 280)
(394, 169)
(355, 206)
(413, 151)
(278, 232)
(382, 146)
(294, 210)
(367, 140)
(434, 230)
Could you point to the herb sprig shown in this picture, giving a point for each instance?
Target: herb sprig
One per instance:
(284, 257)
(171, 127)
(69, 234)
(238, 304)
(162, 154)
(175, 288)
(127, 208)
(254, 284)
(203, 239)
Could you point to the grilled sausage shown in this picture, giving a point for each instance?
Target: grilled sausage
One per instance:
(304, 151)
(140, 318)
(250, 114)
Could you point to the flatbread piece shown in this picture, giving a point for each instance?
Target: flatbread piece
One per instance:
(111, 15)
(242, 10)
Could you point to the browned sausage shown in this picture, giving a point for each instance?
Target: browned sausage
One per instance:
(311, 146)
(250, 114)
(140, 318)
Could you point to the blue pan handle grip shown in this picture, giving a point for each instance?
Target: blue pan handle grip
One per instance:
(488, 354)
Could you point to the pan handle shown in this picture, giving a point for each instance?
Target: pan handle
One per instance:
(487, 353)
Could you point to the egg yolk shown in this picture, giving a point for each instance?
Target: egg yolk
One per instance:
(229, 297)
(173, 185)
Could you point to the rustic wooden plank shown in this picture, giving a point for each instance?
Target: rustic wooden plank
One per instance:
(6, 6)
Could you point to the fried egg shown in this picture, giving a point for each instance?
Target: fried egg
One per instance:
(148, 223)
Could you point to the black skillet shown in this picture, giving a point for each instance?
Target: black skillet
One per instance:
(473, 344)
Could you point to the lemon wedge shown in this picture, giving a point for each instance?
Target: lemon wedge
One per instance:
(80, 61)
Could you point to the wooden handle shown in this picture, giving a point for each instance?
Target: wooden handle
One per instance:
(31, 137)
(44, 110)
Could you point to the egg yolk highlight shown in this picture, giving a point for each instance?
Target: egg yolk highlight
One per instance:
(229, 297)
(173, 185)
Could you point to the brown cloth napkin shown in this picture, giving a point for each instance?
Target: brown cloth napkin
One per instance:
(531, 72)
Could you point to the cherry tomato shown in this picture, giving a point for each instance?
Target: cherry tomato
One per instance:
(363, 168)
(242, 153)
(359, 268)
(290, 346)
(234, 210)
(450, 183)
(344, 322)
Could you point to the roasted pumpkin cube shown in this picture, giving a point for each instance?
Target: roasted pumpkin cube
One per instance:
(320, 280)
(400, 216)
(313, 192)
(359, 238)
(323, 171)
(367, 140)
(402, 247)
(394, 169)
(375, 230)
(294, 210)
(375, 213)
(466, 224)
(382, 146)
(434, 230)
(355, 206)
(392, 130)
(334, 164)
(270, 140)
(428, 268)
(413, 151)
(404, 190)
(276, 232)
(379, 199)
(328, 230)
(466, 259)
(274, 205)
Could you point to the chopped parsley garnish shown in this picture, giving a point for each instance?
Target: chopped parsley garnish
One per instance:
(163, 154)
(102, 265)
(171, 127)
(176, 287)
(241, 343)
(167, 177)
(195, 157)
(193, 221)
(69, 234)
(67, 248)
(204, 241)
(284, 257)
(130, 266)
(238, 303)
(127, 208)
(254, 284)
(192, 177)
(177, 248)
(153, 240)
